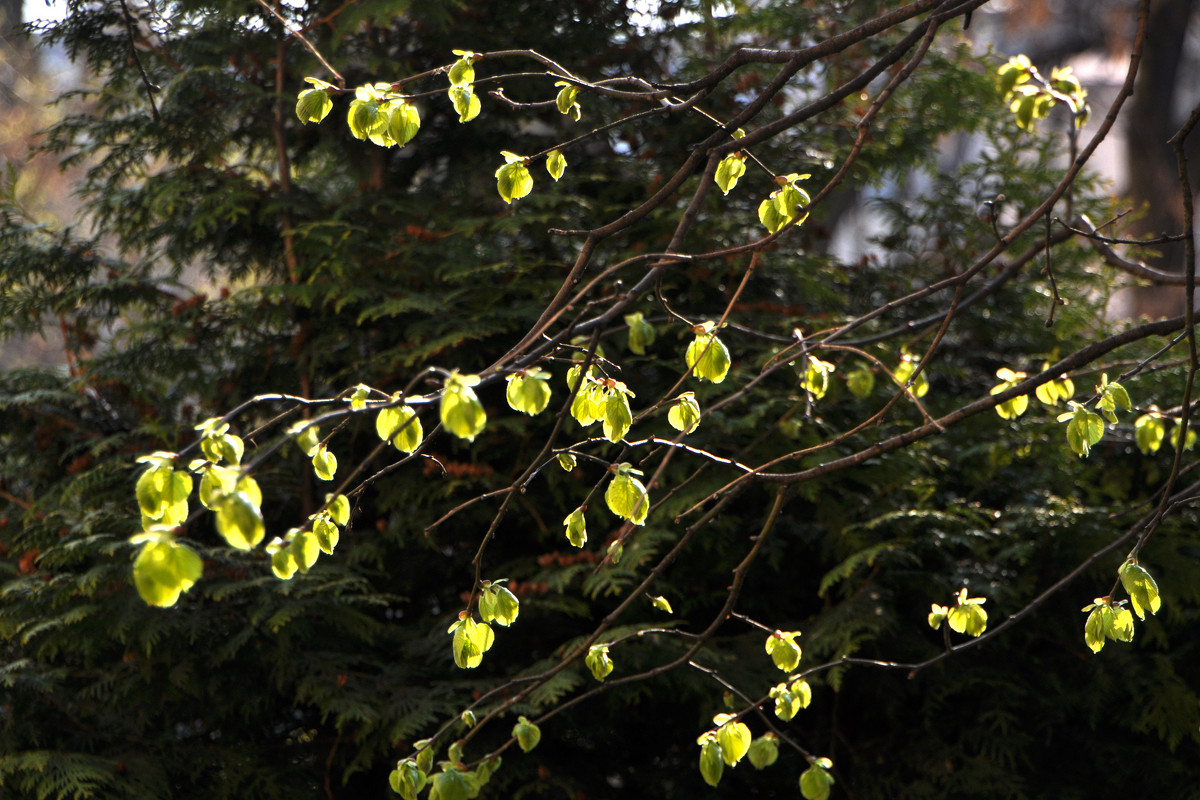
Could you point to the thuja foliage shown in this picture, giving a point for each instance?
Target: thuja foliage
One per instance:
(452, 422)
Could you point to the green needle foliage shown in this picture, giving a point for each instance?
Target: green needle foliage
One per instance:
(314, 405)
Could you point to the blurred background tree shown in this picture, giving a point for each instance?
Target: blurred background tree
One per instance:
(227, 251)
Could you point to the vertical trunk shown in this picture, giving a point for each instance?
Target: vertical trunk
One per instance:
(1153, 180)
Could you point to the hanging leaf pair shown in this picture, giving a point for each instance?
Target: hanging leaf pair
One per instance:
(471, 640)
(968, 616)
(382, 115)
(462, 90)
(787, 203)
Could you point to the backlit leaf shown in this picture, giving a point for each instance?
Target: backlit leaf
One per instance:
(239, 521)
(576, 528)
(527, 734)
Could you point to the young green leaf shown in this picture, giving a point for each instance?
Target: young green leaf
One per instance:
(556, 164)
(641, 333)
(787, 705)
(466, 104)
(662, 604)
(598, 661)
(462, 73)
(784, 204)
(1058, 390)
(684, 416)
(617, 416)
(1188, 443)
(1107, 620)
(527, 734)
(816, 781)
(497, 604)
(1084, 428)
(471, 640)
(312, 105)
(403, 122)
(801, 691)
(308, 437)
(783, 650)
(461, 411)
(1112, 397)
(239, 521)
(731, 168)
(816, 377)
(707, 356)
(566, 461)
(164, 569)
(576, 528)
(1150, 430)
(365, 116)
(904, 372)
(283, 559)
(453, 783)
(339, 509)
(324, 463)
(566, 100)
(401, 426)
(1014, 406)
(513, 181)
(627, 497)
(468, 718)
(764, 751)
(734, 738)
(424, 748)
(306, 549)
(712, 761)
(407, 779)
(1141, 587)
(529, 391)
(326, 533)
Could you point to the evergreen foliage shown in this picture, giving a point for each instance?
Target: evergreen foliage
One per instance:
(227, 273)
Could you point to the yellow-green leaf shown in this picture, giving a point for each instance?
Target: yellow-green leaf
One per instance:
(164, 569)
(527, 734)
(734, 738)
(816, 781)
(326, 533)
(783, 650)
(460, 410)
(627, 498)
(1141, 587)
(641, 333)
(684, 416)
(556, 164)
(599, 662)
(576, 528)
(324, 463)
(312, 105)
(731, 168)
(1150, 431)
(407, 779)
(617, 416)
(401, 426)
(239, 521)
(529, 391)
(403, 122)
(513, 181)
(764, 751)
(708, 358)
(712, 763)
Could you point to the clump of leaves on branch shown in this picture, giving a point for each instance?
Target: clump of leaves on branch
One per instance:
(459, 458)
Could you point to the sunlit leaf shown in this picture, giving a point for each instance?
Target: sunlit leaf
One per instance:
(576, 528)
(527, 734)
(599, 662)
